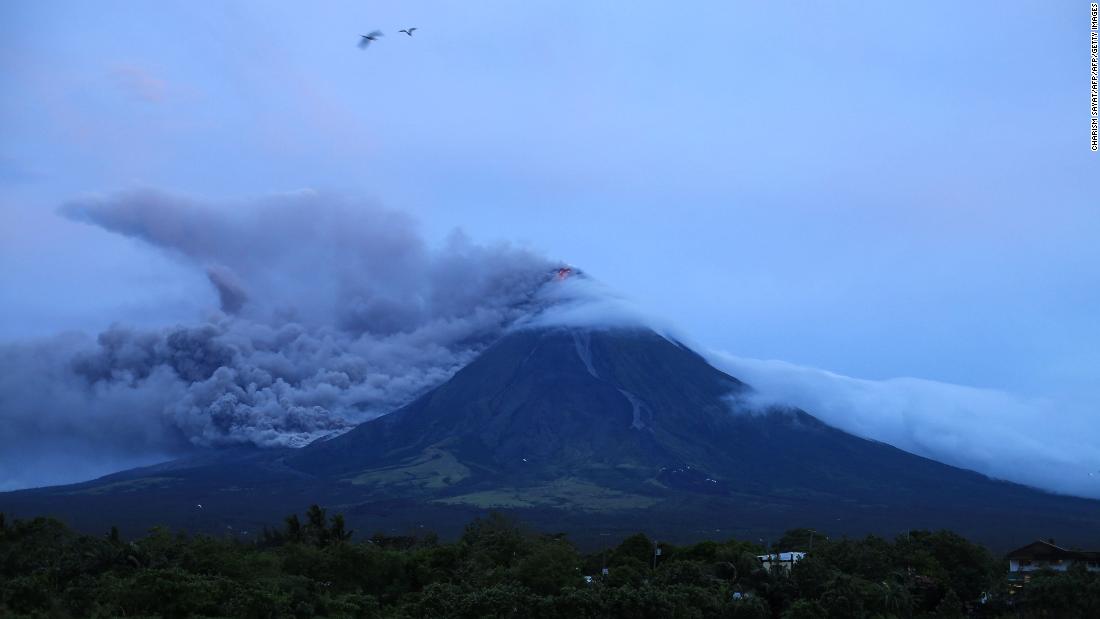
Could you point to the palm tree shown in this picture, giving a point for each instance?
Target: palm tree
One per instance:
(293, 528)
(316, 528)
(338, 531)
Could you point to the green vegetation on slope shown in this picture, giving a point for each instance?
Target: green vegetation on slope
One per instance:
(567, 493)
(434, 469)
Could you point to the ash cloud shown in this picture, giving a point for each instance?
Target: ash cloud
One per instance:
(331, 313)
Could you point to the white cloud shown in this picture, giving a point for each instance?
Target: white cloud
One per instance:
(1034, 441)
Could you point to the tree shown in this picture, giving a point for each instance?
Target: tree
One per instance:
(496, 569)
(338, 531)
(495, 538)
(750, 608)
(749, 570)
(868, 558)
(1073, 593)
(895, 599)
(950, 606)
(805, 609)
(629, 571)
(638, 547)
(680, 572)
(801, 540)
(551, 566)
(316, 528)
(969, 567)
(810, 576)
(293, 529)
(845, 596)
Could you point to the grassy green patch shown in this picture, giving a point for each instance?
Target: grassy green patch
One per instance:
(433, 469)
(568, 493)
(129, 485)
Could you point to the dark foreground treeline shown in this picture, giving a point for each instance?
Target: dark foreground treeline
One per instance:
(313, 567)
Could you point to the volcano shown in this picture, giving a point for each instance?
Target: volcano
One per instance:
(598, 432)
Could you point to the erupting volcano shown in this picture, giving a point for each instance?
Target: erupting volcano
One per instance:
(594, 430)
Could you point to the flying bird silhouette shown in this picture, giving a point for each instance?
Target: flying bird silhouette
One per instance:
(408, 31)
(365, 39)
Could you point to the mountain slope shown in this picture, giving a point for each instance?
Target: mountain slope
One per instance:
(629, 407)
(589, 431)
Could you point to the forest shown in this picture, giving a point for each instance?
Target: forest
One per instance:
(313, 566)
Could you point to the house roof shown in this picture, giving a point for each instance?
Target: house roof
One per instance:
(783, 556)
(1047, 551)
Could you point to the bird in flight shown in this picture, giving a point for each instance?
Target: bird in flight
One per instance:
(408, 31)
(366, 39)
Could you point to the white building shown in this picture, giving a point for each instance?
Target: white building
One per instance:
(781, 560)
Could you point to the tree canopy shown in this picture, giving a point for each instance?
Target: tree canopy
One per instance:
(314, 567)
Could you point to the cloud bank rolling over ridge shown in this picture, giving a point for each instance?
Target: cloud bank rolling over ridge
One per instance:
(1038, 442)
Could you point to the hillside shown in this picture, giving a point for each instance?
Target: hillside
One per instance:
(595, 432)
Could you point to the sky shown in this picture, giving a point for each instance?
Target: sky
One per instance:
(874, 191)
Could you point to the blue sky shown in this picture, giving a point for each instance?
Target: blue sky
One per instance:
(880, 190)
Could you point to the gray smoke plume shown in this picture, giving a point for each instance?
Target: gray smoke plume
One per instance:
(331, 313)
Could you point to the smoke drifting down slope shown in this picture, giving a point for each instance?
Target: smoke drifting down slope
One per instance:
(330, 314)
